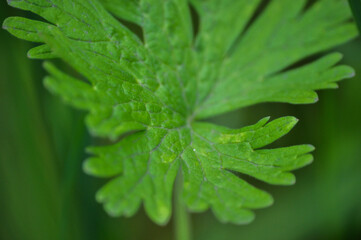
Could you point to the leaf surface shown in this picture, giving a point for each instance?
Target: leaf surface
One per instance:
(154, 92)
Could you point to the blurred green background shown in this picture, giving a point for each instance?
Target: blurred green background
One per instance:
(45, 195)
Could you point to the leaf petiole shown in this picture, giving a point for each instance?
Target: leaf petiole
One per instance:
(182, 226)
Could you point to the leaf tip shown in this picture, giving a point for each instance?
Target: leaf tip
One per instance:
(311, 148)
(5, 24)
(306, 160)
(291, 121)
(337, 56)
(264, 120)
(315, 99)
(247, 220)
(309, 160)
(270, 201)
(351, 74)
(295, 120)
(162, 222)
(161, 216)
(111, 210)
(90, 150)
(292, 179)
(9, 2)
(99, 197)
(47, 66)
(86, 167)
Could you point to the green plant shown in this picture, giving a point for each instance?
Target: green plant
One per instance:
(157, 91)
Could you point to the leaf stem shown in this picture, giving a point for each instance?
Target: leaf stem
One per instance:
(182, 226)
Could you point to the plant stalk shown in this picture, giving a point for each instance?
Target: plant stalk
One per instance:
(182, 225)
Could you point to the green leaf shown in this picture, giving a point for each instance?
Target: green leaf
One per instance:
(157, 91)
(280, 37)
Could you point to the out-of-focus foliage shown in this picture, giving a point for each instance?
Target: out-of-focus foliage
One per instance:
(44, 195)
(355, 6)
